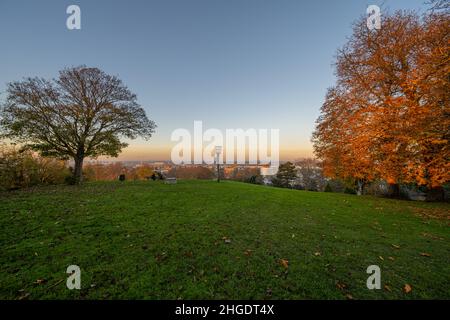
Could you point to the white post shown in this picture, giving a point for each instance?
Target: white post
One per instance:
(218, 152)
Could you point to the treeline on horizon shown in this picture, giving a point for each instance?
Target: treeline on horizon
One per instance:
(20, 169)
(23, 168)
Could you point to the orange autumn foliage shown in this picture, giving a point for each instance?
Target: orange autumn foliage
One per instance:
(388, 116)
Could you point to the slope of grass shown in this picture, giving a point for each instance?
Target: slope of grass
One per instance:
(204, 240)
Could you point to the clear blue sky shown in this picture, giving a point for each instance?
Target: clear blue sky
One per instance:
(231, 63)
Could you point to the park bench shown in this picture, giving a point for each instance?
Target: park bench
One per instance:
(171, 180)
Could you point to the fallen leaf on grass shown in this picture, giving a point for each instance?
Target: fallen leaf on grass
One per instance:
(407, 288)
(317, 253)
(349, 296)
(381, 257)
(396, 246)
(284, 263)
(226, 239)
(425, 254)
(22, 297)
(160, 257)
(40, 281)
(428, 235)
(391, 258)
(387, 288)
(341, 286)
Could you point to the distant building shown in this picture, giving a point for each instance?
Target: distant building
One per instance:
(269, 171)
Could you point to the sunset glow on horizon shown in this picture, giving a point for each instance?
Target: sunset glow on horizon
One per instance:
(151, 152)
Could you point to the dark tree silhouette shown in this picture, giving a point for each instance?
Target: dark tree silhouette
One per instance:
(83, 113)
(439, 4)
(285, 176)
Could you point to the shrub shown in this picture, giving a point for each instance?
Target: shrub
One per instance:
(349, 190)
(70, 180)
(255, 179)
(328, 188)
(22, 168)
(188, 172)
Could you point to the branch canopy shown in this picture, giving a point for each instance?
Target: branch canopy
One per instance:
(388, 115)
(83, 113)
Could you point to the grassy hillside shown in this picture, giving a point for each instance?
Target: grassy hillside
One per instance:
(203, 240)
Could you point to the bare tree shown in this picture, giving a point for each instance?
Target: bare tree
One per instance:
(83, 113)
(439, 4)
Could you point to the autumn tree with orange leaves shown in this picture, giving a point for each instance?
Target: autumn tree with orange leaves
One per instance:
(388, 115)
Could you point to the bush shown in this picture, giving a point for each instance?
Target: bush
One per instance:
(255, 179)
(188, 172)
(22, 169)
(349, 190)
(328, 188)
(70, 180)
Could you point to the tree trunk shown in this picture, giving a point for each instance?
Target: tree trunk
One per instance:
(78, 170)
(218, 172)
(435, 194)
(360, 189)
(394, 190)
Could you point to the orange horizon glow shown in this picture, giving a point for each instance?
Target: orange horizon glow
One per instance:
(139, 152)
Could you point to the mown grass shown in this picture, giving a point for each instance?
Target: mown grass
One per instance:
(204, 240)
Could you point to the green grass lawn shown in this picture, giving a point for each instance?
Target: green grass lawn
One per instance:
(204, 240)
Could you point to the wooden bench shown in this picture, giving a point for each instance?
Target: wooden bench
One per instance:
(170, 180)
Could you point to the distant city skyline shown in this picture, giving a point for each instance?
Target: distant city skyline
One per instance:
(231, 64)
